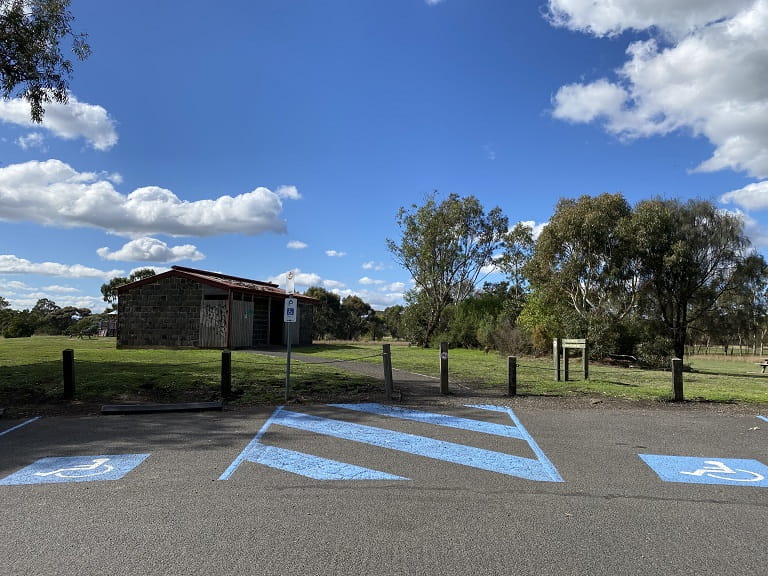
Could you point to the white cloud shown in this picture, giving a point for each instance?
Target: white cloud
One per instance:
(32, 140)
(706, 73)
(297, 245)
(335, 253)
(302, 280)
(398, 287)
(151, 250)
(433, 2)
(10, 264)
(611, 17)
(289, 192)
(536, 228)
(53, 193)
(373, 266)
(57, 289)
(69, 121)
(333, 285)
(751, 197)
(370, 281)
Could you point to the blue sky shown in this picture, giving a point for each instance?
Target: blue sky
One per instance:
(256, 137)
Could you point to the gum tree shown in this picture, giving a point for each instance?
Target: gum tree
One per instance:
(690, 254)
(32, 63)
(445, 246)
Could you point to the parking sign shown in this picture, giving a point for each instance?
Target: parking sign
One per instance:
(290, 312)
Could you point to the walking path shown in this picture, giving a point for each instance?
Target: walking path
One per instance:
(405, 384)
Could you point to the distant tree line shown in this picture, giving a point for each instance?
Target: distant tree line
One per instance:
(644, 280)
(650, 280)
(46, 317)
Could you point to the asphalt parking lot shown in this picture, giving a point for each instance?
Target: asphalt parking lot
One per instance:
(511, 488)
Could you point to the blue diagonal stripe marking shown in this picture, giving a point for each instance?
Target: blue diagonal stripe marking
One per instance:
(421, 446)
(545, 462)
(312, 466)
(763, 418)
(252, 444)
(436, 419)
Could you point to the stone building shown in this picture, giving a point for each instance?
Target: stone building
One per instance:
(189, 308)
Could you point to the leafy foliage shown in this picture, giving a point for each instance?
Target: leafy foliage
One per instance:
(32, 64)
(445, 247)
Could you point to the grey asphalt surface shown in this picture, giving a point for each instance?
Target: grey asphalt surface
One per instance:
(172, 515)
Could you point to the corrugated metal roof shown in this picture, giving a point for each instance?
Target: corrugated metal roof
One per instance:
(219, 280)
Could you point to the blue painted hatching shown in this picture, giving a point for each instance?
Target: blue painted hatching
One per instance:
(312, 466)
(537, 469)
(436, 419)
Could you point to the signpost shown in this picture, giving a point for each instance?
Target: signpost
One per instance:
(290, 313)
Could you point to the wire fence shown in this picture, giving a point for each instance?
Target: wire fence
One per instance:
(256, 372)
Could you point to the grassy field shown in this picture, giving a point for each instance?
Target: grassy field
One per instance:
(710, 379)
(31, 375)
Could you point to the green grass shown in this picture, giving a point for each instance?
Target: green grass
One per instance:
(31, 375)
(711, 378)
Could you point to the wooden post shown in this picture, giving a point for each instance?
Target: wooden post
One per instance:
(677, 379)
(566, 367)
(556, 356)
(68, 362)
(387, 361)
(585, 361)
(512, 371)
(443, 367)
(226, 373)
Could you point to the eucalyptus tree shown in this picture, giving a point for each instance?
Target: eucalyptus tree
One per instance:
(585, 258)
(517, 245)
(691, 254)
(446, 247)
(326, 320)
(32, 63)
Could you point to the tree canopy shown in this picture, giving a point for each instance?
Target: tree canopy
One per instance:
(445, 246)
(32, 63)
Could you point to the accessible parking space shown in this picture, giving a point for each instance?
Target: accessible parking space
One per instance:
(169, 447)
(611, 451)
(368, 488)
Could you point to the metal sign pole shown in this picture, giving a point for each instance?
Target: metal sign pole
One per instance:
(288, 363)
(290, 315)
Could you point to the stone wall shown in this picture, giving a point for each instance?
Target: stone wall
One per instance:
(164, 313)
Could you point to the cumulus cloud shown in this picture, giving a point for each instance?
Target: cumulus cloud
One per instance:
(301, 280)
(151, 250)
(31, 140)
(53, 193)
(751, 197)
(289, 192)
(69, 121)
(11, 264)
(705, 71)
(373, 265)
(370, 281)
(611, 17)
(335, 253)
(297, 245)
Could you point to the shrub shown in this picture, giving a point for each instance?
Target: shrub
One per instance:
(20, 327)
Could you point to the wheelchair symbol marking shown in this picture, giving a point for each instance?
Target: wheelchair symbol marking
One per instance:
(691, 470)
(717, 466)
(60, 469)
(82, 470)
